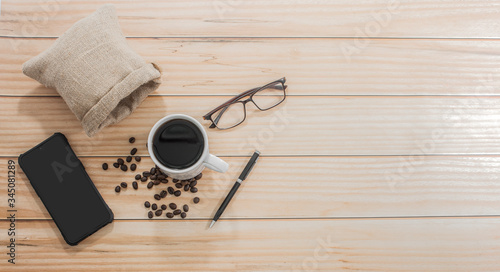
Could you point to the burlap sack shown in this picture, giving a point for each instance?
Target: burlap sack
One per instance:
(94, 70)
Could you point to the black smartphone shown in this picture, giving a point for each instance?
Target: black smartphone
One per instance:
(60, 180)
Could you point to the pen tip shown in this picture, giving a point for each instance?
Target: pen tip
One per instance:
(211, 224)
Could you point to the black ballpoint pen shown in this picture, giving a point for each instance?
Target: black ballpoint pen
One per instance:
(236, 185)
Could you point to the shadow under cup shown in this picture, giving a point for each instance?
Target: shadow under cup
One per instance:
(178, 144)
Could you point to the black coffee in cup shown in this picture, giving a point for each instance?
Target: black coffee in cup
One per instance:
(178, 144)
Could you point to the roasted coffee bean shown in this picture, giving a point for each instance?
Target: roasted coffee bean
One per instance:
(147, 204)
(150, 185)
(172, 206)
(124, 167)
(134, 184)
(158, 212)
(198, 176)
(156, 182)
(128, 159)
(146, 174)
(178, 185)
(177, 193)
(196, 200)
(152, 171)
(177, 212)
(193, 183)
(116, 165)
(163, 207)
(133, 151)
(137, 158)
(163, 194)
(157, 197)
(154, 207)
(186, 187)
(164, 180)
(138, 176)
(133, 166)
(183, 215)
(170, 190)
(185, 208)
(152, 177)
(194, 190)
(131, 140)
(118, 189)
(123, 184)
(120, 161)
(161, 176)
(104, 166)
(175, 180)
(143, 179)
(150, 214)
(170, 215)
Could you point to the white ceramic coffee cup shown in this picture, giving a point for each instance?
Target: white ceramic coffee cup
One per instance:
(206, 159)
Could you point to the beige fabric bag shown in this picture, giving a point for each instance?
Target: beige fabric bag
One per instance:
(94, 70)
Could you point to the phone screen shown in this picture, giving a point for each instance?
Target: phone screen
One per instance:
(60, 180)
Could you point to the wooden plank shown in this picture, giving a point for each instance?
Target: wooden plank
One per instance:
(304, 187)
(270, 245)
(300, 126)
(312, 66)
(247, 18)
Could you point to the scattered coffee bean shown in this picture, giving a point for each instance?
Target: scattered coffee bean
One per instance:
(158, 212)
(137, 158)
(133, 151)
(170, 190)
(175, 180)
(157, 197)
(162, 177)
(196, 200)
(146, 174)
(186, 187)
(134, 184)
(152, 171)
(133, 166)
(118, 189)
(150, 214)
(163, 207)
(178, 185)
(193, 183)
(104, 166)
(163, 194)
(138, 176)
(170, 215)
(152, 177)
(194, 190)
(198, 176)
(120, 161)
(177, 212)
(123, 184)
(183, 215)
(172, 206)
(154, 207)
(185, 208)
(143, 179)
(147, 204)
(131, 140)
(164, 180)
(116, 165)
(124, 167)
(150, 185)
(129, 158)
(156, 182)
(177, 193)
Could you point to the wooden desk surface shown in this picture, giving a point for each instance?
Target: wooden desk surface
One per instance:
(384, 157)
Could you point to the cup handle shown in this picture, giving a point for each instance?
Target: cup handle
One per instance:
(216, 164)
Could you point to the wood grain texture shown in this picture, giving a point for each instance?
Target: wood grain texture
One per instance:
(312, 66)
(299, 126)
(247, 18)
(304, 187)
(268, 245)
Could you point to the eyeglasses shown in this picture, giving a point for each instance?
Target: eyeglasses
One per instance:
(233, 111)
